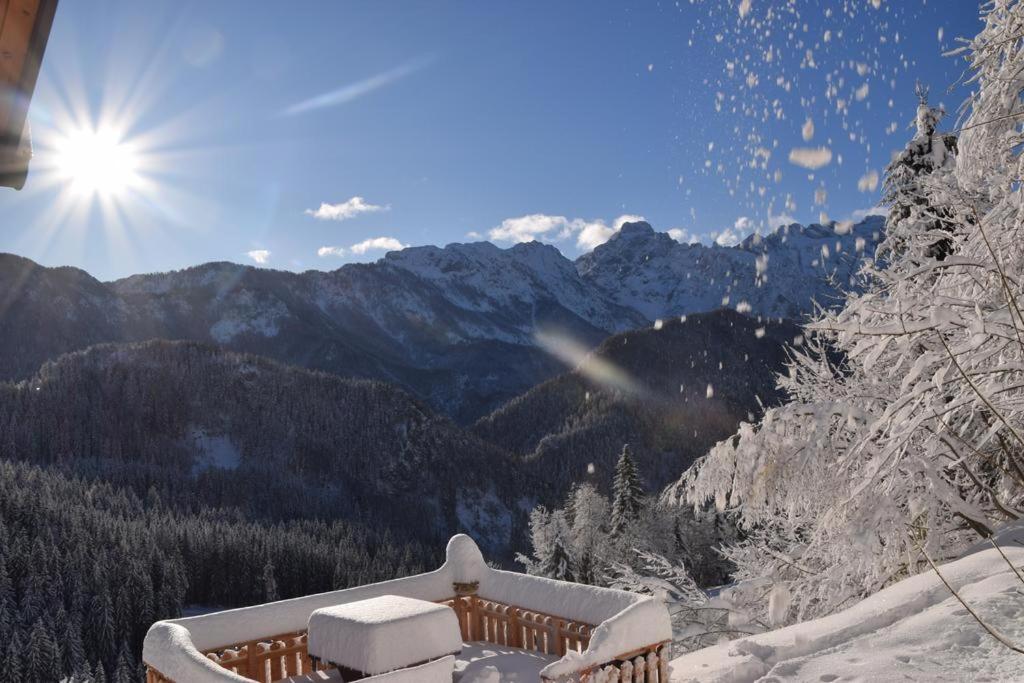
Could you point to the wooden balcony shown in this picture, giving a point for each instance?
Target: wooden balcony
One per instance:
(561, 647)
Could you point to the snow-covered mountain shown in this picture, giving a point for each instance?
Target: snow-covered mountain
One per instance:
(455, 325)
(779, 275)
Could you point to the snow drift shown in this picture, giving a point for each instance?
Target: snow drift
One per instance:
(914, 630)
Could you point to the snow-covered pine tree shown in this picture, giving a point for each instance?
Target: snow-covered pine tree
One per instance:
(73, 647)
(42, 661)
(558, 564)
(913, 223)
(11, 660)
(124, 673)
(588, 525)
(627, 493)
(551, 539)
(269, 582)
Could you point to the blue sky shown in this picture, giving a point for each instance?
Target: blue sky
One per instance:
(430, 123)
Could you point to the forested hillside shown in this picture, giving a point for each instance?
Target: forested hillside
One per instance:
(670, 391)
(271, 440)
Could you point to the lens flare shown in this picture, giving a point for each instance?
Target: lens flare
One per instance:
(580, 357)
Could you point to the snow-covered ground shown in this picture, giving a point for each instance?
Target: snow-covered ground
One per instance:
(914, 630)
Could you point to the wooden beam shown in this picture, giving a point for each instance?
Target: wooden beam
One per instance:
(24, 31)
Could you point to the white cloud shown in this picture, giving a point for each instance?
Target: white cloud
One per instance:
(347, 209)
(782, 220)
(730, 237)
(260, 256)
(810, 157)
(861, 214)
(596, 233)
(474, 235)
(726, 238)
(330, 251)
(543, 227)
(355, 90)
(528, 228)
(376, 244)
(683, 236)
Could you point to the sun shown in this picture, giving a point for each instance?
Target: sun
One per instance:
(97, 163)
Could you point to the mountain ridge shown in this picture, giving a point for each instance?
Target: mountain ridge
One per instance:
(457, 326)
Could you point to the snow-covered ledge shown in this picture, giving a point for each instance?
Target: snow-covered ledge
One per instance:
(624, 624)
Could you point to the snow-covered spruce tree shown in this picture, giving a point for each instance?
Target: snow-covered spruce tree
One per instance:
(627, 492)
(588, 524)
(905, 432)
(11, 659)
(913, 222)
(42, 661)
(269, 582)
(557, 564)
(550, 537)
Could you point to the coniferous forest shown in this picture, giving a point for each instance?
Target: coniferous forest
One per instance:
(86, 566)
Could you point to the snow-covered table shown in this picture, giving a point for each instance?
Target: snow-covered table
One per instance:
(383, 634)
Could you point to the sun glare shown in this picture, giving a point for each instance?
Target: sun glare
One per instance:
(97, 163)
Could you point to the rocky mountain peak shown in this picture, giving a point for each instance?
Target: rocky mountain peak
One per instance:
(636, 228)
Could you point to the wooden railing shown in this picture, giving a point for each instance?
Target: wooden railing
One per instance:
(264, 660)
(648, 665)
(501, 624)
(273, 658)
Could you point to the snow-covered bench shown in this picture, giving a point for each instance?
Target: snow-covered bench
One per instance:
(585, 628)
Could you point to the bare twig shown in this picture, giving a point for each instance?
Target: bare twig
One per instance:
(990, 629)
(992, 540)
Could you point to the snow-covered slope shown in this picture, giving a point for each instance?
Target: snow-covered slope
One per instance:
(484, 278)
(914, 630)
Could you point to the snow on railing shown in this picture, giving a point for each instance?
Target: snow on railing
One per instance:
(599, 633)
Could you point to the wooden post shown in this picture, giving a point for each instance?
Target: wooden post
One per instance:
(477, 618)
(474, 623)
(652, 667)
(516, 636)
(639, 669)
(277, 670)
(251, 662)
